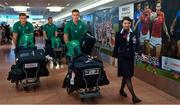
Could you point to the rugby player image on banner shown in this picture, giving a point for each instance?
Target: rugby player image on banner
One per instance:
(175, 31)
(144, 20)
(158, 24)
(151, 26)
(137, 14)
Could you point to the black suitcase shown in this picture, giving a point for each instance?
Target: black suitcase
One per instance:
(31, 62)
(15, 74)
(30, 55)
(89, 73)
(87, 43)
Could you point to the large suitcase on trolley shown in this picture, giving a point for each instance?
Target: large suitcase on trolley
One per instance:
(33, 58)
(89, 72)
(30, 63)
(30, 55)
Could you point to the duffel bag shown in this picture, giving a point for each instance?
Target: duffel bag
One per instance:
(73, 48)
(26, 41)
(15, 74)
(55, 42)
(87, 43)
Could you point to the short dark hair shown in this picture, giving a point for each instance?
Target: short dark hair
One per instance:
(146, 4)
(22, 14)
(127, 18)
(157, 2)
(75, 10)
(138, 4)
(49, 18)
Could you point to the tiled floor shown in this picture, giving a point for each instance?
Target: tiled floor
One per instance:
(51, 91)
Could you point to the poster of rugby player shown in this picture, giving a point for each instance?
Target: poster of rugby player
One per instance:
(158, 25)
(142, 25)
(159, 29)
(153, 27)
(105, 23)
(175, 31)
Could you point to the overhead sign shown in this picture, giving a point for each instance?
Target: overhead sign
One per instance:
(126, 10)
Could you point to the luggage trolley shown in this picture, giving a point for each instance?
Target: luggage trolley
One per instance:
(31, 79)
(30, 68)
(58, 50)
(89, 90)
(29, 64)
(89, 72)
(92, 91)
(58, 54)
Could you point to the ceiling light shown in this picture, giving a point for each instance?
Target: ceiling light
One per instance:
(82, 9)
(96, 4)
(6, 3)
(20, 8)
(26, 12)
(67, 4)
(36, 16)
(55, 9)
(43, 20)
(2, 7)
(63, 16)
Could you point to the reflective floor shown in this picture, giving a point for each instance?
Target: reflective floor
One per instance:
(51, 91)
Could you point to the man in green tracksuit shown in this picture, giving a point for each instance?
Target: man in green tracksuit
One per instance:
(75, 28)
(50, 31)
(20, 28)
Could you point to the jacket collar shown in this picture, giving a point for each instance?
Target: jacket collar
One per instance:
(123, 30)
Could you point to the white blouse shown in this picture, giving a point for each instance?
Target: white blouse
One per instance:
(128, 36)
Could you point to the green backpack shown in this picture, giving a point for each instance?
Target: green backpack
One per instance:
(27, 40)
(73, 48)
(55, 42)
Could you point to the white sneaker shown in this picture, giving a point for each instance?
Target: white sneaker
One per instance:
(62, 66)
(72, 81)
(57, 67)
(51, 65)
(72, 78)
(49, 58)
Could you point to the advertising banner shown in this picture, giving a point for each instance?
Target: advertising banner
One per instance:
(126, 10)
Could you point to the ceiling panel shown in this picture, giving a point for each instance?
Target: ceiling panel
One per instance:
(37, 7)
(39, 3)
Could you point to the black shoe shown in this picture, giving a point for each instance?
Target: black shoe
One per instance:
(136, 100)
(122, 93)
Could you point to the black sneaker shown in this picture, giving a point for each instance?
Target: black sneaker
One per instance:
(122, 93)
(136, 100)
